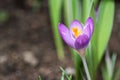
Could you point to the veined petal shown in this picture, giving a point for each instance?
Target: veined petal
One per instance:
(76, 24)
(89, 27)
(65, 34)
(82, 41)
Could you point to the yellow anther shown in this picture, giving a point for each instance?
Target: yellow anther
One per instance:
(76, 31)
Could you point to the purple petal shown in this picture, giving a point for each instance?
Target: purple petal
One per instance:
(75, 23)
(82, 41)
(89, 27)
(66, 36)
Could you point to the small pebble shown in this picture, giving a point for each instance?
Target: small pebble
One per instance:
(30, 58)
(3, 58)
(70, 71)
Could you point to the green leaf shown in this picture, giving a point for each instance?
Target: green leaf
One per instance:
(104, 26)
(39, 78)
(68, 11)
(86, 8)
(65, 75)
(4, 16)
(108, 67)
(72, 9)
(76, 9)
(95, 2)
(55, 12)
(104, 73)
(91, 50)
(117, 74)
(114, 56)
(78, 66)
(108, 64)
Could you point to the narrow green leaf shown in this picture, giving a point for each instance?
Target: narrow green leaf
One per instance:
(68, 11)
(114, 56)
(78, 66)
(105, 23)
(39, 78)
(55, 11)
(105, 73)
(117, 74)
(76, 8)
(108, 67)
(65, 75)
(108, 64)
(72, 10)
(62, 77)
(91, 50)
(86, 8)
(95, 2)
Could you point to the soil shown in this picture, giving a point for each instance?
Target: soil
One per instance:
(27, 36)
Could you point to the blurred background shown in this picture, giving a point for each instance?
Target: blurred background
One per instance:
(27, 47)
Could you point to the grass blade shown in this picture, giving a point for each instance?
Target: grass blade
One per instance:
(55, 12)
(86, 8)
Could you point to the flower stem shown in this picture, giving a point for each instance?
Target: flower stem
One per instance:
(86, 68)
(77, 63)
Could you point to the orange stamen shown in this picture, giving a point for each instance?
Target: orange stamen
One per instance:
(76, 31)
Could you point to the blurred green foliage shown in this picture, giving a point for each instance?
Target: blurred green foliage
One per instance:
(55, 7)
(103, 23)
(37, 4)
(109, 70)
(64, 75)
(4, 16)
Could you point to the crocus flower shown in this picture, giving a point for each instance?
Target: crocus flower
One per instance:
(78, 36)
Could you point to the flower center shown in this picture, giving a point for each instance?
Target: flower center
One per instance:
(76, 31)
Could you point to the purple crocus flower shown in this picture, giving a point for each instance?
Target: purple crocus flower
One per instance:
(77, 36)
